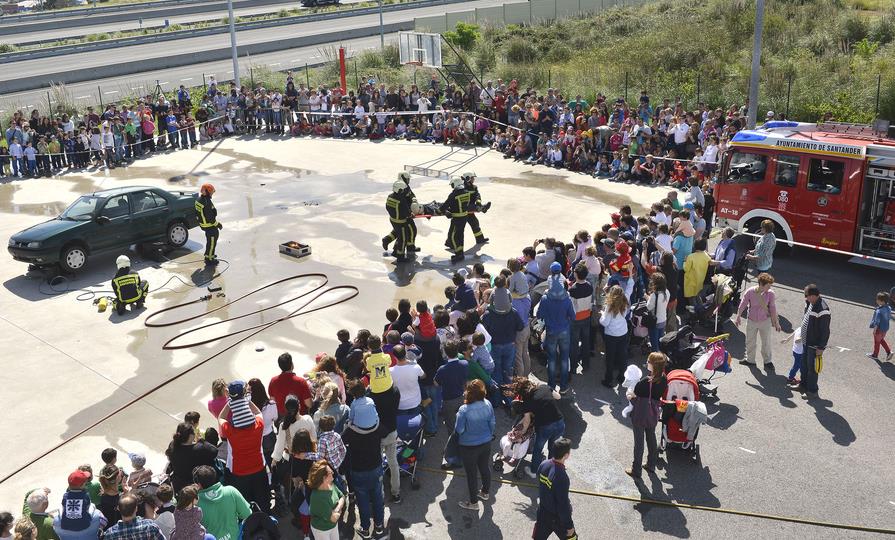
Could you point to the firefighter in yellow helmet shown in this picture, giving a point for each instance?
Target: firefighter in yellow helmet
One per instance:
(398, 205)
(208, 222)
(128, 287)
(456, 207)
(475, 205)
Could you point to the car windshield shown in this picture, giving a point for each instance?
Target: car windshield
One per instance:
(82, 209)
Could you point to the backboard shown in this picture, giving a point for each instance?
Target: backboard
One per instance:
(420, 49)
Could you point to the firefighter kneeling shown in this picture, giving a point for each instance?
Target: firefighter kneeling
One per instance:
(128, 287)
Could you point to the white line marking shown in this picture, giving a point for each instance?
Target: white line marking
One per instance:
(275, 64)
(746, 450)
(603, 402)
(892, 502)
(83, 97)
(842, 349)
(187, 79)
(137, 88)
(296, 60)
(111, 92)
(166, 82)
(231, 71)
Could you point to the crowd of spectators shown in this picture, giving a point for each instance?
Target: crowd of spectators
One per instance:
(647, 141)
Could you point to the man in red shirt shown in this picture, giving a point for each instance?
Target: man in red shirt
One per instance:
(287, 383)
(245, 461)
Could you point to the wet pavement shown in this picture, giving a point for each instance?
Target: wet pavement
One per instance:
(68, 368)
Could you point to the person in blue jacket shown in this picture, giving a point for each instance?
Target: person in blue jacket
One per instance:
(554, 506)
(558, 313)
(880, 324)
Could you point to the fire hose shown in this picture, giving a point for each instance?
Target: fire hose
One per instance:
(250, 332)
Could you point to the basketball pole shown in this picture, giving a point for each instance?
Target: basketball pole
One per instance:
(342, 71)
(381, 29)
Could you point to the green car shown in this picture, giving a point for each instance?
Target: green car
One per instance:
(108, 220)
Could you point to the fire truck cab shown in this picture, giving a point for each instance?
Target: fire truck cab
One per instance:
(829, 185)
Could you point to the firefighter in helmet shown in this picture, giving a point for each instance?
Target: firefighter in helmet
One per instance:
(128, 287)
(475, 205)
(208, 222)
(398, 206)
(456, 207)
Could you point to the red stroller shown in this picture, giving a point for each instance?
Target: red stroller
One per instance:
(682, 386)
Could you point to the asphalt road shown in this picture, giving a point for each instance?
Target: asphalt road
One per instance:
(109, 90)
(149, 20)
(136, 53)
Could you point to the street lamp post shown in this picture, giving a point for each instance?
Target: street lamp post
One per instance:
(381, 31)
(752, 113)
(233, 43)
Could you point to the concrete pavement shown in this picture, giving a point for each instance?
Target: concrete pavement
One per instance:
(763, 450)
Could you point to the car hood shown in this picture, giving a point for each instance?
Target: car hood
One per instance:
(47, 229)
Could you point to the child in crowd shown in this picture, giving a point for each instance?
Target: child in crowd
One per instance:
(880, 325)
(192, 418)
(331, 448)
(797, 351)
(140, 475)
(391, 315)
(238, 401)
(481, 354)
(344, 347)
(412, 351)
(188, 515)
(422, 321)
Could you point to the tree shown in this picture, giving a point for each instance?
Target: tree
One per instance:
(464, 35)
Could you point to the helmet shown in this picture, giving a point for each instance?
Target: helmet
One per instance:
(398, 186)
(415, 208)
(206, 189)
(404, 176)
(456, 182)
(468, 175)
(123, 261)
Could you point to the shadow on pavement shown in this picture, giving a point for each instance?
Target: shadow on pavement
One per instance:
(833, 422)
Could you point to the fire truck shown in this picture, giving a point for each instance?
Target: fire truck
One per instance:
(828, 185)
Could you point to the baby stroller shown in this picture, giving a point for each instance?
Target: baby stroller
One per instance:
(682, 387)
(685, 352)
(719, 301)
(514, 447)
(409, 443)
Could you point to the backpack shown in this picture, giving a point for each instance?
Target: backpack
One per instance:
(259, 526)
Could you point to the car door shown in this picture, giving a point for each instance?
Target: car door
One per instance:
(823, 202)
(149, 212)
(117, 233)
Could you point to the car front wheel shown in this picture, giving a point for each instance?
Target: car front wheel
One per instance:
(74, 258)
(178, 234)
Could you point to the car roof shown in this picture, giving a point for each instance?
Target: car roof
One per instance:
(122, 190)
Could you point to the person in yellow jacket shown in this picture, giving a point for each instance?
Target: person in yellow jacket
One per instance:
(456, 207)
(696, 266)
(208, 222)
(128, 287)
(399, 205)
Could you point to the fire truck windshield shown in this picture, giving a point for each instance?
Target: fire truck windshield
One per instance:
(746, 167)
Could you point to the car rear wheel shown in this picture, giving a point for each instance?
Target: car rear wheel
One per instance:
(74, 258)
(178, 234)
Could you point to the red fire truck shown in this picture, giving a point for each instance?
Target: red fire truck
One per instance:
(829, 185)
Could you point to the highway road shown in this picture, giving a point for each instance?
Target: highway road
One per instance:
(136, 53)
(149, 20)
(112, 89)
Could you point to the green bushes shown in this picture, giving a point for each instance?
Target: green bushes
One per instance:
(703, 51)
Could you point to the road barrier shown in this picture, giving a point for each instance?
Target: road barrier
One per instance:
(88, 17)
(48, 52)
(186, 59)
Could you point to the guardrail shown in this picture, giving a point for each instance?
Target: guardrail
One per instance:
(19, 18)
(87, 19)
(61, 50)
